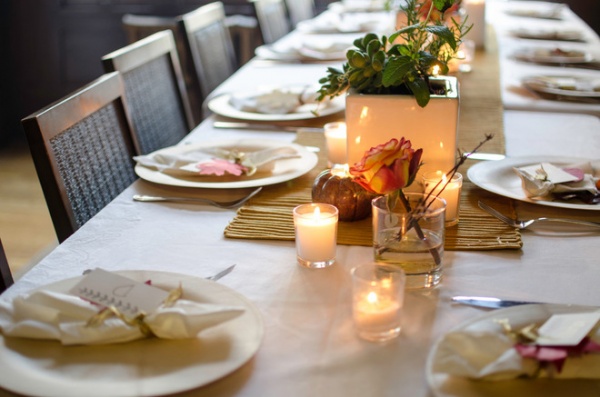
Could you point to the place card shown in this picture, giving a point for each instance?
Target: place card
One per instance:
(130, 297)
(567, 329)
(552, 173)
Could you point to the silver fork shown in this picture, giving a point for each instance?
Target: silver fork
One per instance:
(220, 204)
(526, 223)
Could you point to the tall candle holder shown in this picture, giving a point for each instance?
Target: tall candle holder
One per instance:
(434, 182)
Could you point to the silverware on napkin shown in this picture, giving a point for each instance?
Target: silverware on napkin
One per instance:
(489, 302)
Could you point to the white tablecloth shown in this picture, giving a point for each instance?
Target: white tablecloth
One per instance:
(309, 347)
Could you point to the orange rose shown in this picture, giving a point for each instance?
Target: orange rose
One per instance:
(388, 167)
(436, 14)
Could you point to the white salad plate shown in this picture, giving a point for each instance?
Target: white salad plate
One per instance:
(571, 86)
(500, 178)
(553, 55)
(445, 385)
(283, 170)
(146, 367)
(223, 106)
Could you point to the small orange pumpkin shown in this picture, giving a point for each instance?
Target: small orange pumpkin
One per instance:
(352, 200)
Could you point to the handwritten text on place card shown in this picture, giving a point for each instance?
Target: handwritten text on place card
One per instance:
(128, 296)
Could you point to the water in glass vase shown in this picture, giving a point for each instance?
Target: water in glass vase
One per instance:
(420, 258)
(411, 236)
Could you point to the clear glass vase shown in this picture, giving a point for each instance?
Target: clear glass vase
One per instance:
(411, 235)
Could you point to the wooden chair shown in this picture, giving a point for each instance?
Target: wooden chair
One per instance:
(154, 90)
(300, 10)
(243, 32)
(6, 279)
(209, 46)
(82, 150)
(272, 19)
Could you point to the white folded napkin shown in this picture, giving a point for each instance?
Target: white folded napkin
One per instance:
(52, 315)
(490, 354)
(215, 161)
(277, 101)
(540, 180)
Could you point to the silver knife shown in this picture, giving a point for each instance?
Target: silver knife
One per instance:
(489, 302)
(268, 127)
(221, 274)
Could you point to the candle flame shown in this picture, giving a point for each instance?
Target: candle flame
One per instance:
(435, 70)
(372, 297)
(317, 214)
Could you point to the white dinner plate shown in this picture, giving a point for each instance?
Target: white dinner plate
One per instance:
(571, 86)
(444, 385)
(305, 53)
(221, 105)
(552, 55)
(500, 178)
(146, 367)
(283, 170)
(548, 34)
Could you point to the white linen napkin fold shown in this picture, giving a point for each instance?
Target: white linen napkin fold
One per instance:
(202, 162)
(490, 355)
(276, 101)
(53, 315)
(541, 183)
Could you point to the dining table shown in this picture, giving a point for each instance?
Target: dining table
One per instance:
(300, 339)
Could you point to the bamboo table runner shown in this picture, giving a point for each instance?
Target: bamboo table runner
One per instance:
(268, 216)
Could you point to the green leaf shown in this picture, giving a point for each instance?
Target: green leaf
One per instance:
(373, 47)
(420, 90)
(443, 33)
(406, 29)
(367, 38)
(396, 69)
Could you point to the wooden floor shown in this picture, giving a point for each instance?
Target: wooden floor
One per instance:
(25, 226)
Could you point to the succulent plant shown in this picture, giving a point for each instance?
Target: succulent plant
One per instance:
(403, 62)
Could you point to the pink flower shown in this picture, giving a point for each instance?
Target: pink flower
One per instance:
(219, 167)
(388, 167)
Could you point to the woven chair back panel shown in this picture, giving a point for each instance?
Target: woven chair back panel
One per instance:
(94, 162)
(214, 53)
(155, 107)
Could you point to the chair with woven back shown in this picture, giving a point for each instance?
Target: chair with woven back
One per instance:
(209, 46)
(272, 19)
(243, 38)
(82, 150)
(155, 91)
(300, 10)
(6, 279)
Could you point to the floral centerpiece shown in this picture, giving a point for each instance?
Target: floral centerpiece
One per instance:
(403, 62)
(408, 228)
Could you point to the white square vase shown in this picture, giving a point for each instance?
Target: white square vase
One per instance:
(375, 119)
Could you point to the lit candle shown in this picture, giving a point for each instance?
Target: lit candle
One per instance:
(316, 234)
(376, 314)
(335, 137)
(475, 10)
(435, 181)
(378, 295)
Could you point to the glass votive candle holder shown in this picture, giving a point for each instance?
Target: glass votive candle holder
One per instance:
(377, 300)
(435, 181)
(467, 50)
(335, 139)
(315, 227)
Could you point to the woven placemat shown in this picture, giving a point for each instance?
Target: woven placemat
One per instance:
(268, 216)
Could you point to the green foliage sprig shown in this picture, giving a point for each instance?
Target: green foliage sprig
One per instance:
(403, 62)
